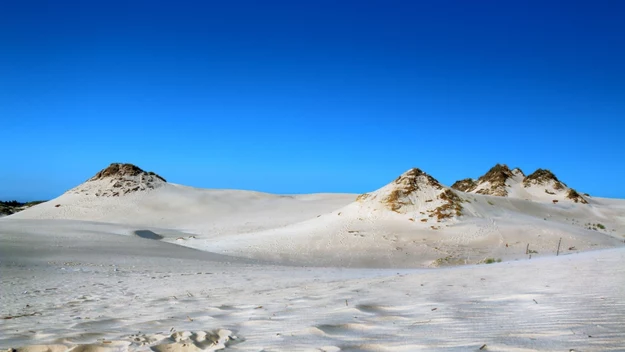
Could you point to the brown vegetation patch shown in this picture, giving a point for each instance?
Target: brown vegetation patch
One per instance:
(411, 178)
(494, 190)
(496, 177)
(576, 197)
(123, 179)
(541, 177)
(362, 197)
(451, 207)
(117, 170)
(466, 185)
(498, 174)
(393, 200)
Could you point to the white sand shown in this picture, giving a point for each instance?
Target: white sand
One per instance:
(198, 211)
(183, 269)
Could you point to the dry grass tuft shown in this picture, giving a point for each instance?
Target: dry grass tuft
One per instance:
(393, 200)
(576, 197)
(362, 197)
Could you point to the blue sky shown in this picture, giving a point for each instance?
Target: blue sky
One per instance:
(310, 96)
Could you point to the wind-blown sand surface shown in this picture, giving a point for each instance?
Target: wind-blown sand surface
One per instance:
(173, 268)
(139, 293)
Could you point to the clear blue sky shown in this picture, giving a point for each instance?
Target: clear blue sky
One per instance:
(310, 96)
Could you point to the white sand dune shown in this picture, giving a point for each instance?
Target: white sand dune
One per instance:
(422, 224)
(128, 261)
(421, 227)
(198, 211)
(541, 185)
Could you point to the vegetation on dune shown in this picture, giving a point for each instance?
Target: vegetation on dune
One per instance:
(542, 177)
(591, 226)
(451, 207)
(393, 200)
(362, 197)
(465, 185)
(576, 197)
(496, 177)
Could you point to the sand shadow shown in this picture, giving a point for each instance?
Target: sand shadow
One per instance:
(148, 235)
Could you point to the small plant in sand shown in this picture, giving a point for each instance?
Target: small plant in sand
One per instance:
(448, 261)
(601, 226)
(441, 261)
(492, 260)
(362, 197)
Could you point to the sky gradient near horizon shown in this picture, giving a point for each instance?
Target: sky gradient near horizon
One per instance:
(310, 96)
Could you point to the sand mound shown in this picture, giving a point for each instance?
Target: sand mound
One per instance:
(465, 185)
(118, 180)
(493, 183)
(418, 194)
(542, 185)
(543, 178)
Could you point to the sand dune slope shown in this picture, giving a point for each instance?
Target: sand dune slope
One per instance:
(197, 211)
(414, 221)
